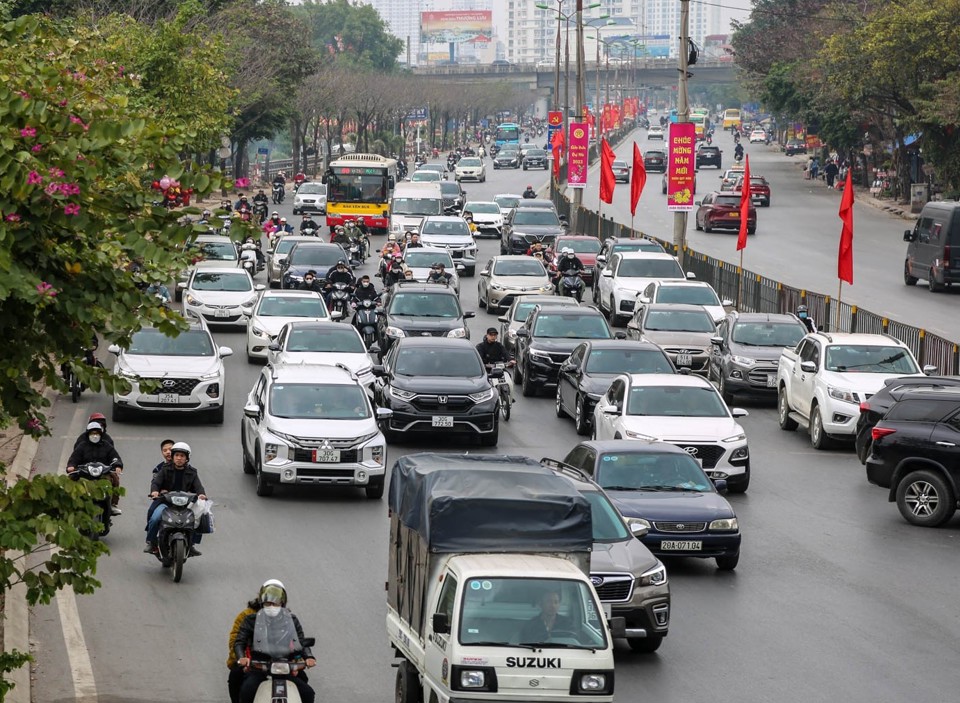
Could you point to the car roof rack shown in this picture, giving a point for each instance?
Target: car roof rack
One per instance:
(567, 469)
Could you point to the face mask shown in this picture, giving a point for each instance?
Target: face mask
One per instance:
(272, 611)
(94, 438)
(803, 316)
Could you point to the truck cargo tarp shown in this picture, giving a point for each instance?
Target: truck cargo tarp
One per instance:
(488, 503)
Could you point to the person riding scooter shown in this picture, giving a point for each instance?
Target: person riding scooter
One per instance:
(568, 262)
(529, 193)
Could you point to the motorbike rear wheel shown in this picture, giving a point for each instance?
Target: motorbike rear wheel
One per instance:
(74, 387)
(179, 556)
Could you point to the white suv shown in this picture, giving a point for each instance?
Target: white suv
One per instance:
(625, 274)
(681, 409)
(312, 425)
(181, 374)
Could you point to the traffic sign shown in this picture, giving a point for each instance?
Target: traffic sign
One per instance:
(263, 150)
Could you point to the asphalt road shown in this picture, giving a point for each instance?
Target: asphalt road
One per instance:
(797, 237)
(835, 598)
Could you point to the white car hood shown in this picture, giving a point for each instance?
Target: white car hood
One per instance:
(447, 240)
(323, 429)
(526, 283)
(860, 383)
(216, 297)
(214, 263)
(148, 366)
(636, 285)
(686, 429)
(486, 217)
(272, 324)
(354, 362)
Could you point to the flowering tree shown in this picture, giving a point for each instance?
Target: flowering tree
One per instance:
(79, 238)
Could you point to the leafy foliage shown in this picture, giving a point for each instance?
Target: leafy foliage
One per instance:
(352, 34)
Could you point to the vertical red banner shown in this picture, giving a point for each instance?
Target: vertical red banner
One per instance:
(578, 147)
(681, 166)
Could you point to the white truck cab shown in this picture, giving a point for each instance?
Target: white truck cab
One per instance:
(474, 615)
(411, 203)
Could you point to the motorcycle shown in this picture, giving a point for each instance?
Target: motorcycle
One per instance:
(246, 214)
(419, 162)
(571, 285)
(451, 163)
(278, 193)
(279, 656)
(97, 471)
(309, 232)
(248, 259)
(260, 212)
(178, 524)
(365, 320)
(339, 300)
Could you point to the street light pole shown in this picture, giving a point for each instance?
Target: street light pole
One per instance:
(578, 192)
(683, 115)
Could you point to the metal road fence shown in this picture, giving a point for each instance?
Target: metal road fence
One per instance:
(755, 293)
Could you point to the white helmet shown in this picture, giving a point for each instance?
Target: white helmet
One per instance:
(567, 251)
(181, 447)
(273, 591)
(94, 427)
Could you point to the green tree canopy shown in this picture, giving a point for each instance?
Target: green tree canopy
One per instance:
(352, 33)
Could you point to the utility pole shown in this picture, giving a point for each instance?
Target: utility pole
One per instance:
(581, 97)
(683, 115)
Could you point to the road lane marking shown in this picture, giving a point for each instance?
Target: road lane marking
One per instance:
(84, 685)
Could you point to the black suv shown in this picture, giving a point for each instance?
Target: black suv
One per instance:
(309, 256)
(586, 376)
(746, 350)
(507, 158)
(916, 455)
(894, 389)
(535, 158)
(437, 386)
(655, 161)
(413, 309)
(709, 156)
(526, 225)
(549, 335)
(453, 197)
(615, 244)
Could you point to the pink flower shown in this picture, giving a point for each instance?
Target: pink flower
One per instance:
(37, 148)
(52, 189)
(24, 94)
(70, 189)
(12, 217)
(46, 290)
(62, 103)
(34, 179)
(77, 120)
(27, 132)
(242, 182)
(71, 209)
(55, 173)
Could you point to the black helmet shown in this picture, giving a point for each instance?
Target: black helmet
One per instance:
(342, 262)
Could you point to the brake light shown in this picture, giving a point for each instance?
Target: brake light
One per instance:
(864, 407)
(946, 256)
(878, 432)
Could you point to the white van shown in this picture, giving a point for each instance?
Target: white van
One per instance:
(411, 203)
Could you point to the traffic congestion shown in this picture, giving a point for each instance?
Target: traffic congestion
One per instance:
(647, 482)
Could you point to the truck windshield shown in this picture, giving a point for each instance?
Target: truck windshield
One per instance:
(548, 613)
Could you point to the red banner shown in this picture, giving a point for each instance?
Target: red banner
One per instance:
(578, 147)
(681, 166)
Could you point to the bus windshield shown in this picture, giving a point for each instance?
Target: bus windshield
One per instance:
(357, 188)
(508, 133)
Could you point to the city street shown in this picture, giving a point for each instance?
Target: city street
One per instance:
(835, 597)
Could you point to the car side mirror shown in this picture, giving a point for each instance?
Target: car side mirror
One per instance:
(468, 315)
(601, 258)
(114, 349)
(485, 272)
(618, 627)
(259, 287)
(808, 366)
(182, 285)
(908, 235)
(929, 370)
(441, 624)
(691, 275)
(504, 319)
(607, 273)
(384, 413)
(273, 346)
(225, 351)
(739, 412)
(379, 370)
(720, 484)
(611, 410)
(336, 315)
(523, 332)
(716, 341)
(460, 267)
(374, 349)
(726, 303)
(698, 203)
(637, 528)
(619, 335)
(252, 410)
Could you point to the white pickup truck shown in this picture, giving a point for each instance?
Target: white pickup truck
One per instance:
(822, 381)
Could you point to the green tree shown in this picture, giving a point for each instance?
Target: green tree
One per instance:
(352, 33)
(76, 167)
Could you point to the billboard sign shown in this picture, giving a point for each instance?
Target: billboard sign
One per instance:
(681, 166)
(578, 153)
(554, 124)
(418, 113)
(456, 27)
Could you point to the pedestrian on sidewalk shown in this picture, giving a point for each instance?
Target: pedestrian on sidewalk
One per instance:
(808, 169)
(830, 172)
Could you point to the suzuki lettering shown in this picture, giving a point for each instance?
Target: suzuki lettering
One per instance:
(533, 663)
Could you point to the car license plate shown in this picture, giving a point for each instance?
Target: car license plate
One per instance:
(442, 421)
(684, 360)
(734, 214)
(326, 456)
(222, 313)
(169, 398)
(681, 545)
(771, 380)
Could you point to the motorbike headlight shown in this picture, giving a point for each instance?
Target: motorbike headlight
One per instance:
(657, 576)
(459, 332)
(743, 360)
(401, 394)
(842, 394)
(395, 332)
(482, 396)
(729, 524)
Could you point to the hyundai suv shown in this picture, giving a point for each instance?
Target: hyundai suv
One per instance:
(437, 386)
(182, 374)
(412, 309)
(709, 156)
(312, 425)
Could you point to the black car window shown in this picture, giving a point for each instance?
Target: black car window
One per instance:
(457, 363)
(679, 321)
(153, 342)
(607, 524)
(324, 340)
(576, 458)
(544, 217)
(676, 401)
(315, 256)
(649, 268)
(617, 361)
(809, 351)
(954, 422)
(519, 267)
(615, 394)
(576, 358)
(923, 229)
(921, 409)
(687, 295)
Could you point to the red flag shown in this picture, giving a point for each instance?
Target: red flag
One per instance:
(638, 177)
(745, 202)
(607, 180)
(845, 258)
(557, 145)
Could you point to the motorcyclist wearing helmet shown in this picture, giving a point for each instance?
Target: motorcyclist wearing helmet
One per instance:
(180, 475)
(438, 274)
(101, 420)
(804, 316)
(310, 282)
(91, 447)
(284, 228)
(492, 351)
(205, 218)
(261, 198)
(468, 216)
(273, 603)
(243, 204)
(340, 273)
(249, 246)
(272, 224)
(738, 152)
(568, 261)
(529, 193)
(394, 270)
(365, 290)
(308, 223)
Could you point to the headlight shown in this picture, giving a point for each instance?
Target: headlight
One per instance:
(729, 524)
(482, 396)
(740, 453)
(395, 332)
(642, 521)
(657, 576)
(512, 334)
(593, 683)
(842, 394)
(539, 354)
(128, 375)
(259, 332)
(472, 679)
(735, 438)
(212, 376)
(401, 394)
(458, 332)
(270, 452)
(249, 303)
(638, 435)
(192, 299)
(743, 360)
(496, 286)
(546, 289)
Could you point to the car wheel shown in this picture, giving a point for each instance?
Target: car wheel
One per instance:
(724, 393)
(580, 420)
(925, 499)
(470, 272)
(480, 301)
(612, 312)
(178, 295)
(706, 225)
(696, 220)
(728, 562)
(274, 284)
(407, 688)
(787, 423)
(215, 416)
(248, 467)
(907, 278)
(645, 645)
(264, 488)
(863, 452)
(818, 437)
(932, 284)
(558, 404)
(374, 489)
(751, 230)
(526, 385)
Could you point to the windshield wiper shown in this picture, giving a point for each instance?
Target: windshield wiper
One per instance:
(430, 314)
(673, 488)
(555, 645)
(623, 488)
(499, 644)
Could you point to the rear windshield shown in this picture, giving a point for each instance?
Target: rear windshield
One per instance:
(922, 409)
